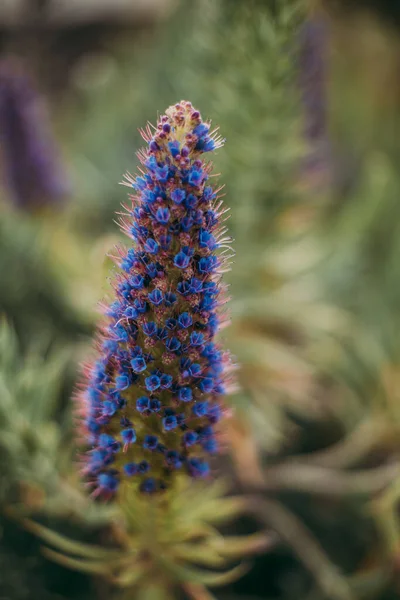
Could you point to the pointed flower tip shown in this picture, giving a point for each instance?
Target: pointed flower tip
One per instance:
(154, 395)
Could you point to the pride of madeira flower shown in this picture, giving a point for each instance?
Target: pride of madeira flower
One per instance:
(152, 401)
(153, 398)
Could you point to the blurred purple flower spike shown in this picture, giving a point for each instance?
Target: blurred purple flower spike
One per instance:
(312, 80)
(327, 163)
(31, 164)
(313, 50)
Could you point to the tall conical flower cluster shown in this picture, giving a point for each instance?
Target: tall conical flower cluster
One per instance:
(153, 396)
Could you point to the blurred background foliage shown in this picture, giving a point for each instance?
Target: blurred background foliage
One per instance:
(307, 95)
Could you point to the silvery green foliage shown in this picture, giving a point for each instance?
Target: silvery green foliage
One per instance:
(31, 290)
(29, 394)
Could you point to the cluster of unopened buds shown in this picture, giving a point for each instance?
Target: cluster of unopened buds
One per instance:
(152, 399)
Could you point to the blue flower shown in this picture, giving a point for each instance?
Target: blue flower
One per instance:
(140, 183)
(122, 382)
(106, 441)
(142, 404)
(136, 282)
(151, 270)
(173, 344)
(131, 469)
(173, 459)
(150, 442)
(205, 144)
(190, 438)
(195, 285)
(165, 381)
(195, 369)
(181, 260)
(187, 224)
(143, 467)
(128, 261)
(148, 486)
(185, 394)
(156, 297)
(151, 163)
(165, 241)
(148, 196)
(210, 445)
(107, 482)
(183, 288)
(151, 246)
(178, 196)
(162, 173)
(152, 383)
(198, 467)
(195, 177)
(185, 320)
(170, 423)
(170, 298)
(201, 129)
(109, 408)
(214, 413)
(162, 215)
(196, 338)
(200, 409)
(191, 201)
(207, 240)
(162, 333)
(155, 405)
(210, 218)
(138, 364)
(171, 324)
(207, 264)
(150, 328)
(140, 305)
(120, 333)
(128, 436)
(206, 385)
(174, 148)
(131, 313)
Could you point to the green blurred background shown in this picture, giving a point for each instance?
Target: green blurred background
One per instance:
(307, 95)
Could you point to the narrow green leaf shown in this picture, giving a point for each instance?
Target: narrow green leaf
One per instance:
(85, 566)
(189, 531)
(223, 511)
(239, 546)
(201, 555)
(70, 546)
(130, 575)
(212, 578)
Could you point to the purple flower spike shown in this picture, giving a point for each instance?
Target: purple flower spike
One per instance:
(154, 394)
(33, 169)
